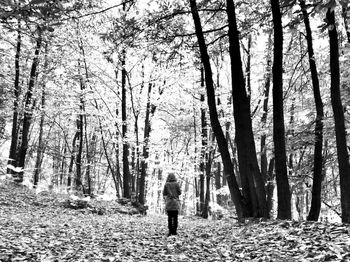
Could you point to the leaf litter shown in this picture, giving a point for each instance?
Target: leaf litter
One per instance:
(36, 227)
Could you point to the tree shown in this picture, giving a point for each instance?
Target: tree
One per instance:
(283, 190)
(264, 166)
(318, 159)
(28, 107)
(14, 132)
(150, 110)
(215, 124)
(204, 148)
(252, 181)
(41, 142)
(340, 131)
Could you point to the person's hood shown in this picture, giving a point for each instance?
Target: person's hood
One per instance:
(171, 177)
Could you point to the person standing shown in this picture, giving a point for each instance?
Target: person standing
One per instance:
(171, 193)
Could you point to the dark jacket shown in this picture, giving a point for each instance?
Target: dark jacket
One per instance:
(171, 193)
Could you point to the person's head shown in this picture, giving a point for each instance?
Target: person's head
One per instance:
(171, 177)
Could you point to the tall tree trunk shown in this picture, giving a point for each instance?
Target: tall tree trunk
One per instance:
(14, 132)
(204, 145)
(318, 159)
(80, 137)
(150, 109)
(41, 145)
(252, 182)
(28, 108)
(89, 154)
(265, 170)
(40, 150)
(267, 84)
(283, 190)
(214, 120)
(126, 171)
(340, 131)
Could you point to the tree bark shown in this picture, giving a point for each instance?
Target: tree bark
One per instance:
(150, 109)
(283, 190)
(267, 84)
(41, 144)
(126, 171)
(214, 120)
(340, 130)
(205, 212)
(204, 143)
(71, 162)
(345, 9)
(14, 132)
(218, 182)
(28, 109)
(252, 181)
(318, 158)
(80, 137)
(270, 186)
(248, 67)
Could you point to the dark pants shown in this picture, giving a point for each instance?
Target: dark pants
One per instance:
(172, 222)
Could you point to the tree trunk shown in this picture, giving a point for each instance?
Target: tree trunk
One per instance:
(150, 109)
(248, 67)
(345, 8)
(40, 150)
(89, 160)
(218, 182)
(206, 211)
(204, 148)
(28, 109)
(41, 144)
(318, 159)
(14, 132)
(340, 131)
(252, 182)
(109, 161)
(63, 164)
(283, 190)
(267, 84)
(270, 186)
(214, 120)
(126, 171)
(72, 158)
(80, 137)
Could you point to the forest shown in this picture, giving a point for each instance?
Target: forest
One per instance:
(246, 101)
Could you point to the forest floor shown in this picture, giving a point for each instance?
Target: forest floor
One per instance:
(37, 227)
